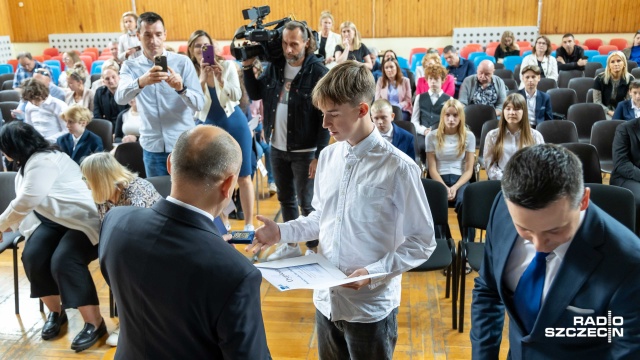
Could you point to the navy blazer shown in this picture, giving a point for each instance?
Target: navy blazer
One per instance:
(88, 144)
(403, 140)
(599, 273)
(182, 291)
(543, 105)
(624, 111)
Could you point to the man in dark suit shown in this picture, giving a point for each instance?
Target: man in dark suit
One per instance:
(626, 160)
(629, 109)
(538, 102)
(383, 116)
(558, 264)
(182, 291)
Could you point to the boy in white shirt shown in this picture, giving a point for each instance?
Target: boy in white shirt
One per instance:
(371, 217)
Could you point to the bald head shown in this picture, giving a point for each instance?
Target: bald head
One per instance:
(485, 71)
(205, 154)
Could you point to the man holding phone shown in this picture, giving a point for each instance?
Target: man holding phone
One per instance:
(167, 90)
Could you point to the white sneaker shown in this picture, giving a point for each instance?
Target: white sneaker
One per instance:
(249, 227)
(309, 252)
(273, 189)
(112, 340)
(285, 251)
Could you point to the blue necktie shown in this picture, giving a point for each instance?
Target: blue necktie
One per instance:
(528, 294)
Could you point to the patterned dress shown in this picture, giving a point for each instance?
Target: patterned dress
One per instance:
(139, 193)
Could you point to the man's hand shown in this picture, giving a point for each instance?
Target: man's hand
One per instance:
(249, 61)
(153, 76)
(130, 52)
(312, 168)
(174, 80)
(360, 283)
(266, 235)
(560, 60)
(582, 62)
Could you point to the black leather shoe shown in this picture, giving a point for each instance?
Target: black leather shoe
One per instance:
(52, 327)
(88, 336)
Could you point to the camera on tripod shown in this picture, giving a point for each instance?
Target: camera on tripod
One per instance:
(263, 43)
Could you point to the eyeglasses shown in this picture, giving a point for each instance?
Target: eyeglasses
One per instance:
(42, 72)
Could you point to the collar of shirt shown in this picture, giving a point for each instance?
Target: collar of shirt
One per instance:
(634, 107)
(388, 134)
(433, 94)
(190, 207)
(535, 93)
(363, 147)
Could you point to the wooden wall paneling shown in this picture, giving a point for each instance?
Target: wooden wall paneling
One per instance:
(5, 20)
(588, 16)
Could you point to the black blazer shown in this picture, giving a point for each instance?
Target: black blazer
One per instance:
(626, 153)
(182, 291)
(88, 144)
(105, 106)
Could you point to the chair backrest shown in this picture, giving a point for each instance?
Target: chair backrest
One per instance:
(478, 199)
(590, 96)
(584, 116)
(5, 110)
(558, 131)
(486, 127)
(7, 85)
(581, 85)
(547, 84)
(636, 73)
(523, 43)
(476, 115)
(7, 189)
(516, 73)
(403, 62)
(96, 66)
(510, 62)
(14, 63)
(503, 74)
(616, 201)
(95, 77)
(472, 56)
(478, 59)
(631, 65)
(497, 66)
(104, 129)
(511, 84)
(416, 59)
(525, 51)
(438, 201)
(5, 77)
(566, 75)
(6, 69)
(602, 59)
(593, 43)
(162, 184)
(606, 49)
(602, 133)
(130, 155)
(51, 52)
(397, 112)
(619, 43)
(562, 99)
(588, 155)
(408, 125)
(590, 69)
(9, 95)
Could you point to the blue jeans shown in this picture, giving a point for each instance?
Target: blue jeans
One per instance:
(291, 173)
(340, 339)
(155, 163)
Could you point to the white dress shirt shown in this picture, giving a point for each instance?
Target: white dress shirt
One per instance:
(46, 119)
(415, 116)
(370, 212)
(531, 106)
(523, 253)
(388, 135)
(509, 147)
(636, 110)
(190, 207)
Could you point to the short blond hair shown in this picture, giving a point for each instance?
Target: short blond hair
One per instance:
(76, 114)
(348, 82)
(104, 174)
(381, 104)
(431, 56)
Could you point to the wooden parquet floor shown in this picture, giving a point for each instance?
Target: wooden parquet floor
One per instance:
(424, 320)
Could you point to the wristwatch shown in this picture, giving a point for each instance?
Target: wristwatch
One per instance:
(184, 89)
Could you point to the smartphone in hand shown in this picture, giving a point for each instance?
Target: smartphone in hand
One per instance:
(161, 61)
(242, 237)
(208, 54)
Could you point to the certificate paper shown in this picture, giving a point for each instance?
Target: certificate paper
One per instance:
(305, 272)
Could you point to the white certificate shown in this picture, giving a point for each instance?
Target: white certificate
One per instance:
(305, 272)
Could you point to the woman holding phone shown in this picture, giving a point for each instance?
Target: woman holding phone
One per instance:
(128, 43)
(221, 85)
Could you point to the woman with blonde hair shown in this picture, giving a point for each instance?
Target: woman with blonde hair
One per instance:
(449, 82)
(352, 47)
(80, 93)
(612, 85)
(513, 133)
(507, 47)
(112, 185)
(328, 39)
(128, 43)
(72, 62)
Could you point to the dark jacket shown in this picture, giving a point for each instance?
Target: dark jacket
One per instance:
(570, 61)
(403, 140)
(626, 153)
(543, 106)
(624, 111)
(304, 121)
(105, 106)
(88, 144)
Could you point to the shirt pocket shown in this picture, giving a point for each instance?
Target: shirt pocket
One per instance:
(367, 204)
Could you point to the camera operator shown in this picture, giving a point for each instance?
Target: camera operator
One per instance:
(292, 124)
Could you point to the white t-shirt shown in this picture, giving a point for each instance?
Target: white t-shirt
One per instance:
(279, 136)
(447, 158)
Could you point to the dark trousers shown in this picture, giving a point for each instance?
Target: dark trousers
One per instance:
(291, 173)
(340, 339)
(56, 261)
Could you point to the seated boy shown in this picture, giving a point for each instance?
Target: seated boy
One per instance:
(79, 142)
(383, 116)
(371, 217)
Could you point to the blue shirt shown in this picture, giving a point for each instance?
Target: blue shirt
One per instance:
(464, 69)
(56, 92)
(22, 74)
(164, 113)
(635, 54)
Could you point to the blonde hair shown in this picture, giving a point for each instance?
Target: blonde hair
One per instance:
(326, 14)
(503, 45)
(349, 82)
(526, 137)
(79, 72)
(105, 68)
(356, 34)
(607, 75)
(128, 13)
(381, 104)
(104, 174)
(76, 59)
(434, 57)
(76, 114)
(462, 126)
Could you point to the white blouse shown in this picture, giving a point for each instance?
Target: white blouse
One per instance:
(46, 118)
(509, 147)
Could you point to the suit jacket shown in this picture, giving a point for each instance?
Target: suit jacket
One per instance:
(626, 153)
(543, 105)
(88, 144)
(404, 93)
(403, 140)
(105, 106)
(624, 111)
(599, 273)
(182, 291)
